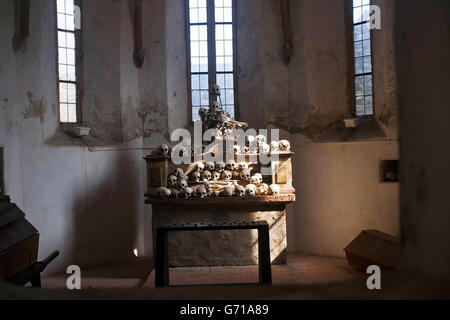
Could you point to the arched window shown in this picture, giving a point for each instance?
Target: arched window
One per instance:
(363, 58)
(68, 57)
(211, 52)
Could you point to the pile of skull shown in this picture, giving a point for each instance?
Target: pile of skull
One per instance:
(215, 180)
(259, 144)
(220, 178)
(253, 145)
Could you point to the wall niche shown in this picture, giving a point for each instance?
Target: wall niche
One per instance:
(389, 170)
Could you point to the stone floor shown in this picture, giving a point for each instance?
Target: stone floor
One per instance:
(303, 278)
(301, 269)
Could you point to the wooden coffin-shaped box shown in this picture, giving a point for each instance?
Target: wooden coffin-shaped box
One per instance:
(19, 240)
(372, 247)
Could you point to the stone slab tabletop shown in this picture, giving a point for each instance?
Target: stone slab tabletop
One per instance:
(256, 200)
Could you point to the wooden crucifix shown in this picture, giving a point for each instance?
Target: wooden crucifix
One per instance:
(21, 24)
(288, 48)
(139, 53)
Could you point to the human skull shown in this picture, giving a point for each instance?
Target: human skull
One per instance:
(187, 192)
(228, 191)
(163, 192)
(239, 191)
(263, 188)
(215, 107)
(260, 177)
(235, 174)
(246, 150)
(236, 149)
(284, 145)
(250, 190)
(209, 189)
(243, 166)
(274, 189)
(255, 180)
(163, 150)
(172, 180)
(220, 166)
(250, 140)
(201, 192)
(199, 167)
(182, 184)
(174, 193)
(209, 166)
(231, 165)
(245, 175)
(274, 146)
(203, 113)
(264, 148)
(206, 175)
(195, 176)
(215, 90)
(178, 172)
(226, 175)
(260, 139)
(216, 175)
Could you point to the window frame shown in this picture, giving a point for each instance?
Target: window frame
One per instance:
(351, 54)
(212, 60)
(79, 83)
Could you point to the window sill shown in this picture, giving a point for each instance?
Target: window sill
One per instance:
(63, 137)
(368, 129)
(66, 135)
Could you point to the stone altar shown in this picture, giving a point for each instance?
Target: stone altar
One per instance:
(222, 248)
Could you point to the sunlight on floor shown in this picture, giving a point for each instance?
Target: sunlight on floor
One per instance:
(301, 269)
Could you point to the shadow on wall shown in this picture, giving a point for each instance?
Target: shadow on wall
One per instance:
(106, 215)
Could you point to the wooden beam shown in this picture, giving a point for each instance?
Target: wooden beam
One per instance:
(139, 53)
(288, 48)
(21, 24)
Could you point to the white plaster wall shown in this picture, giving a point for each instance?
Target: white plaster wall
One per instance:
(423, 68)
(178, 115)
(152, 76)
(338, 186)
(339, 193)
(86, 203)
(89, 204)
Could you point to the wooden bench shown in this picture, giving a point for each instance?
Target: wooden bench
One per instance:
(162, 252)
